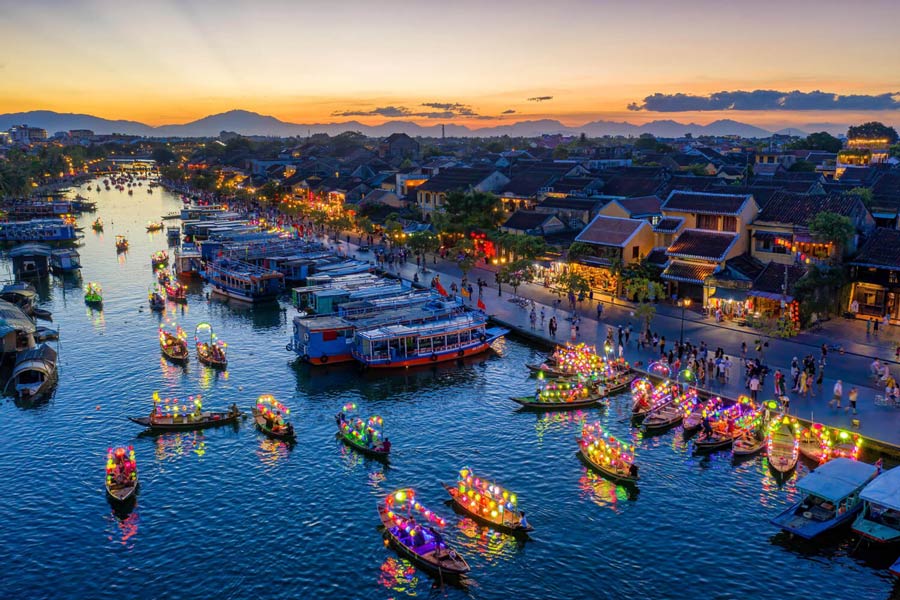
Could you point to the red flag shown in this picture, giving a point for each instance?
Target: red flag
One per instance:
(481, 304)
(440, 288)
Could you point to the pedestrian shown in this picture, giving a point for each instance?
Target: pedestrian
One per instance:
(662, 345)
(542, 317)
(727, 364)
(885, 321)
(628, 336)
(621, 350)
(743, 350)
(754, 387)
(821, 375)
(795, 374)
(551, 327)
(838, 394)
(824, 352)
(533, 318)
(854, 394)
(868, 328)
(804, 384)
(574, 332)
(875, 327)
(779, 383)
(599, 310)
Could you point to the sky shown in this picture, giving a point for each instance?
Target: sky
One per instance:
(473, 62)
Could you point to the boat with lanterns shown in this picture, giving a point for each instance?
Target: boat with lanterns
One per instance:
(175, 290)
(723, 426)
(159, 259)
(174, 414)
(647, 397)
(412, 530)
(93, 294)
(488, 503)
(820, 443)
(665, 416)
(606, 454)
(270, 417)
(437, 341)
(752, 438)
(121, 475)
(831, 498)
(121, 243)
(783, 445)
(879, 520)
(173, 343)
(563, 394)
(365, 436)
(570, 360)
(97, 225)
(694, 415)
(211, 351)
(155, 298)
(154, 226)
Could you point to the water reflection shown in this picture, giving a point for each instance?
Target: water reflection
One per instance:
(176, 445)
(272, 451)
(559, 422)
(95, 316)
(490, 544)
(603, 492)
(399, 575)
(123, 527)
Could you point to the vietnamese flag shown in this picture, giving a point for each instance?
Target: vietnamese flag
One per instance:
(481, 305)
(440, 288)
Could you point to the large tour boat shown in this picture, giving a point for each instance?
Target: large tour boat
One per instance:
(243, 281)
(439, 341)
(37, 230)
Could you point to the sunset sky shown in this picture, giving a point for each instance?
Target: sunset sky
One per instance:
(469, 62)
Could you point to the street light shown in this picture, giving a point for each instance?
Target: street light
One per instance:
(685, 303)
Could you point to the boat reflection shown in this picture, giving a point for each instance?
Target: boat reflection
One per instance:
(399, 575)
(490, 544)
(552, 422)
(175, 445)
(95, 316)
(272, 451)
(172, 372)
(353, 460)
(603, 492)
(123, 527)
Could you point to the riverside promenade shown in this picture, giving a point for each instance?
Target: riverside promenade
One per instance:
(880, 423)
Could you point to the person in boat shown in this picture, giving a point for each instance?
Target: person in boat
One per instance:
(632, 472)
(707, 428)
(386, 445)
(522, 522)
(233, 411)
(418, 537)
(340, 419)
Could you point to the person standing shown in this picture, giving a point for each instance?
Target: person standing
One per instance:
(662, 345)
(854, 394)
(754, 387)
(599, 310)
(838, 394)
(542, 317)
(628, 336)
(875, 327)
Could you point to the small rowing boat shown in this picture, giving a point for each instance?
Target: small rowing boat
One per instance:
(561, 395)
(663, 418)
(366, 437)
(487, 503)
(121, 243)
(176, 291)
(211, 351)
(173, 414)
(97, 225)
(121, 475)
(269, 415)
(694, 415)
(610, 457)
(724, 425)
(819, 444)
(648, 398)
(749, 443)
(93, 294)
(173, 343)
(159, 259)
(783, 444)
(411, 529)
(155, 299)
(151, 226)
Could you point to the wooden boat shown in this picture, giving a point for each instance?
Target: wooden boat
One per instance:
(663, 418)
(171, 414)
(159, 259)
(270, 418)
(151, 226)
(366, 437)
(530, 403)
(175, 291)
(121, 243)
(210, 350)
(97, 225)
(694, 418)
(607, 455)
(819, 444)
(748, 444)
(783, 445)
(155, 299)
(487, 503)
(562, 395)
(35, 373)
(121, 476)
(174, 345)
(93, 294)
(400, 514)
(831, 497)
(647, 401)
(879, 520)
(714, 442)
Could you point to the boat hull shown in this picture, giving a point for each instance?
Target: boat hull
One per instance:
(611, 475)
(514, 530)
(289, 436)
(365, 450)
(122, 495)
(387, 363)
(212, 420)
(441, 569)
(714, 445)
(809, 529)
(529, 404)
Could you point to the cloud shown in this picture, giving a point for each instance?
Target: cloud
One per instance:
(767, 100)
(540, 98)
(439, 110)
(508, 111)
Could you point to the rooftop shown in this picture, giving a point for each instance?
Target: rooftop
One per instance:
(687, 272)
(455, 178)
(799, 209)
(702, 244)
(705, 203)
(610, 231)
(881, 250)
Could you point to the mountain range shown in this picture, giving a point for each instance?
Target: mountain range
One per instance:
(251, 123)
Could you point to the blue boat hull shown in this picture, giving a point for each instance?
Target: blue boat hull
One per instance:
(807, 528)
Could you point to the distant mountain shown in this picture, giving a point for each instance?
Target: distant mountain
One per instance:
(792, 131)
(251, 123)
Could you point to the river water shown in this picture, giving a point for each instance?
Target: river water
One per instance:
(229, 513)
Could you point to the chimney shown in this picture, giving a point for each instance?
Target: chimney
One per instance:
(443, 135)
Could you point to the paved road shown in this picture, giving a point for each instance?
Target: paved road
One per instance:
(852, 367)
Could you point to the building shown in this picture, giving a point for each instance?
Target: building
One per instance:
(526, 222)
(574, 212)
(25, 135)
(399, 146)
(639, 207)
(614, 241)
(781, 230)
(431, 195)
(876, 276)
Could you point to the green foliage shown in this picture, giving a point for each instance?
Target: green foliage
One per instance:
(560, 153)
(822, 140)
(365, 224)
(834, 228)
(163, 156)
(864, 194)
(819, 291)
(646, 142)
(423, 242)
(467, 211)
(516, 273)
(580, 250)
(573, 283)
(644, 291)
(463, 253)
(523, 246)
(803, 166)
(895, 151)
(873, 130)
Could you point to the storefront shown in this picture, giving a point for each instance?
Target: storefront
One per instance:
(728, 303)
(876, 274)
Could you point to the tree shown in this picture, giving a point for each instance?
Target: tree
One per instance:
(163, 156)
(424, 242)
(803, 166)
(572, 283)
(644, 291)
(646, 142)
(365, 225)
(464, 255)
(895, 151)
(560, 153)
(524, 246)
(822, 141)
(515, 274)
(834, 228)
(864, 194)
(580, 250)
(873, 130)
(472, 210)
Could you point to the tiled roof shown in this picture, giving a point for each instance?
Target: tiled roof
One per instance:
(641, 206)
(761, 193)
(881, 250)
(702, 244)
(455, 178)
(684, 183)
(745, 265)
(799, 209)
(527, 184)
(657, 257)
(687, 272)
(570, 203)
(770, 281)
(610, 231)
(705, 203)
(668, 224)
(623, 185)
(526, 220)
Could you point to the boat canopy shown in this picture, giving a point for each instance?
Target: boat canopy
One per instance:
(837, 479)
(885, 490)
(43, 353)
(13, 319)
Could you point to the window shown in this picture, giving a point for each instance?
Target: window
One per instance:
(635, 252)
(710, 222)
(729, 223)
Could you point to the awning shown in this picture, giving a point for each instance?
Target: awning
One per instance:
(721, 293)
(837, 479)
(885, 490)
(686, 272)
(771, 296)
(765, 235)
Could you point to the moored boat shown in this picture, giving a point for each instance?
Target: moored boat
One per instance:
(820, 443)
(121, 243)
(270, 417)
(411, 529)
(174, 414)
(609, 456)
(722, 427)
(488, 503)
(783, 444)
(175, 291)
(65, 260)
(159, 259)
(562, 395)
(121, 475)
(694, 415)
(34, 375)
(173, 343)
(97, 225)
(830, 498)
(211, 351)
(366, 436)
(93, 294)
(155, 299)
(151, 226)
(879, 520)
(647, 398)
